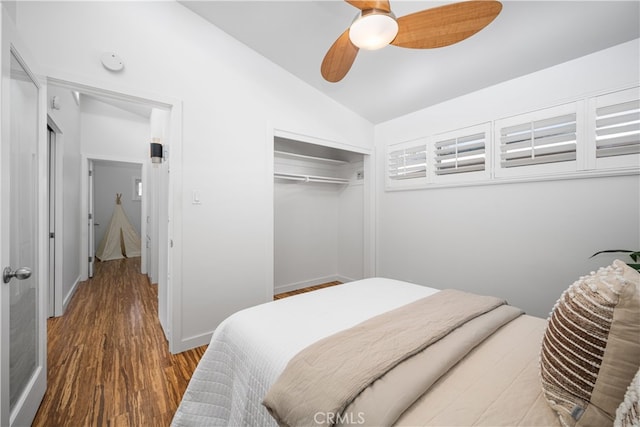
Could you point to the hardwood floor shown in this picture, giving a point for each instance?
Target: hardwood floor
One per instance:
(309, 289)
(108, 361)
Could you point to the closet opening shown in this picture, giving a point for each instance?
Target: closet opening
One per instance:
(321, 212)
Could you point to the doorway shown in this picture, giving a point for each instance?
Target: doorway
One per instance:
(107, 180)
(117, 129)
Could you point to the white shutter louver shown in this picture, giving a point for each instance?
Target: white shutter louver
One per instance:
(618, 129)
(539, 142)
(408, 163)
(460, 155)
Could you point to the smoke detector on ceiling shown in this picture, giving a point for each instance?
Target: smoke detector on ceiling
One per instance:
(111, 61)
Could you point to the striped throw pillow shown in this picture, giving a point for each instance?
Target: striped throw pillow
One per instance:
(591, 347)
(628, 413)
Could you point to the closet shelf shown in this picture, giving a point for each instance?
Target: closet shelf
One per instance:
(304, 157)
(310, 178)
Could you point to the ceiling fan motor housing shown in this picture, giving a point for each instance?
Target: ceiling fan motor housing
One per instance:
(373, 29)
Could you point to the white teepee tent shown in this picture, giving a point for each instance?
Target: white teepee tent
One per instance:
(121, 239)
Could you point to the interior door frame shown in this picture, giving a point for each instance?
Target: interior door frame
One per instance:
(51, 180)
(91, 181)
(170, 236)
(91, 210)
(27, 406)
(55, 299)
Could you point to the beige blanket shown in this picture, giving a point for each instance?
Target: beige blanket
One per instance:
(322, 380)
(496, 384)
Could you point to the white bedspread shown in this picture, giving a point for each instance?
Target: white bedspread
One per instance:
(249, 350)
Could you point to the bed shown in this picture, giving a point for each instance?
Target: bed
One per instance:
(348, 355)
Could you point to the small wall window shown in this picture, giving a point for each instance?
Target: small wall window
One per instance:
(137, 188)
(615, 129)
(461, 155)
(538, 142)
(407, 164)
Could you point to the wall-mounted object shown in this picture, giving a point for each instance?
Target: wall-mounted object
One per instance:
(156, 152)
(111, 61)
(55, 103)
(137, 188)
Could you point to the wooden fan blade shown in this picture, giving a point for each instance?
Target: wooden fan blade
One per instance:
(338, 60)
(370, 4)
(445, 25)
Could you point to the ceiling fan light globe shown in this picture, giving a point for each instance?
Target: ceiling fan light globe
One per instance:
(373, 31)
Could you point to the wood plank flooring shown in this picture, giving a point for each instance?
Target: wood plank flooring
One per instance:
(303, 290)
(108, 360)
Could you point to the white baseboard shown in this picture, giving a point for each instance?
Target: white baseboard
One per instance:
(312, 282)
(69, 296)
(345, 279)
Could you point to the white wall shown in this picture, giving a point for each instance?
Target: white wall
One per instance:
(306, 234)
(67, 118)
(111, 132)
(350, 254)
(231, 97)
(524, 241)
(109, 179)
(318, 234)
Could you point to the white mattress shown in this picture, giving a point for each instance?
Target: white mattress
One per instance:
(249, 350)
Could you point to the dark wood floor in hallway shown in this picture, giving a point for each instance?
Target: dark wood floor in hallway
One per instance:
(108, 360)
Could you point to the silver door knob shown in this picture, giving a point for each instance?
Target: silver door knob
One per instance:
(20, 274)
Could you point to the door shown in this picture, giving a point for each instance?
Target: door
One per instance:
(23, 287)
(91, 231)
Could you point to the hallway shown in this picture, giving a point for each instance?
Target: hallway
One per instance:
(108, 360)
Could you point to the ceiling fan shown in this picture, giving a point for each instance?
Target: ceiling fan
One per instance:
(376, 27)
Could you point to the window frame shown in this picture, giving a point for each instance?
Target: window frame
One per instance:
(407, 183)
(585, 165)
(628, 161)
(576, 107)
(461, 177)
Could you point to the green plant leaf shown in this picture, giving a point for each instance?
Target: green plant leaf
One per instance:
(635, 266)
(626, 251)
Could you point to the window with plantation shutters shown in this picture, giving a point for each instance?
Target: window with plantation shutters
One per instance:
(590, 136)
(617, 129)
(544, 142)
(460, 155)
(539, 142)
(406, 164)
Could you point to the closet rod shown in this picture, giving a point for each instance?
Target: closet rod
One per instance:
(312, 158)
(310, 178)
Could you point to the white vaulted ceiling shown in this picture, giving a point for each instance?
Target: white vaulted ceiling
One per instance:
(527, 36)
